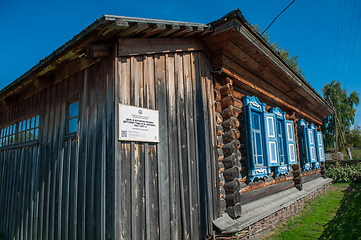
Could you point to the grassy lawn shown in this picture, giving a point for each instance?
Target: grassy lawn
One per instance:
(356, 154)
(335, 215)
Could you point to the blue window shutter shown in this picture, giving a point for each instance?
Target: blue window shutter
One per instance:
(290, 142)
(304, 145)
(319, 146)
(312, 145)
(270, 139)
(280, 138)
(280, 117)
(257, 166)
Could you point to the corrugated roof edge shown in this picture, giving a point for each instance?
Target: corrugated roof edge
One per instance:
(153, 21)
(238, 13)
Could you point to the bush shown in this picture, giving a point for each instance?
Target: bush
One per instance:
(344, 174)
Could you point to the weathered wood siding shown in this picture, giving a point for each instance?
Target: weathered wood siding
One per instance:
(61, 187)
(92, 186)
(167, 190)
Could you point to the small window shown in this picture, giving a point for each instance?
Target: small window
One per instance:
(19, 132)
(28, 129)
(73, 111)
(7, 135)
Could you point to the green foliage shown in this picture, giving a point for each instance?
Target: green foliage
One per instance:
(344, 174)
(353, 137)
(345, 108)
(292, 60)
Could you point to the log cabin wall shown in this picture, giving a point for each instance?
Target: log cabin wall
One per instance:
(235, 187)
(167, 190)
(61, 185)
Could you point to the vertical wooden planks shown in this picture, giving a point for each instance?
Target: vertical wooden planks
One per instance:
(138, 215)
(108, 169)
(182, 132)
(212, 136)
(73, 158)
(95, 187)
(126, 211)
(73, 202)
(151, 179)
(65, 220)
(173, 148)
(83, 156)
(54, 136)
(95, 221)
(63, 148)
(189, 85)
(162, 155)
(90, 155)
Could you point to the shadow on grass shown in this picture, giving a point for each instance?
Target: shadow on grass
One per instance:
(347, 222)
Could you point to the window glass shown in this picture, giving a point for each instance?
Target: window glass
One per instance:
(73, 125)
(256, 122)
(270, 126)
(273, 152)
(73, 111)
(292, 152)
(37, 121)
(290, 131)
(27, 129)
(22, 131)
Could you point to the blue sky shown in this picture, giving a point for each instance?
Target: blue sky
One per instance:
(31, 30)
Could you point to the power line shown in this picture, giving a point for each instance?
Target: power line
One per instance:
(220, 71)
(339, 43)
(353, 49)
(348, 41)
(338, 28)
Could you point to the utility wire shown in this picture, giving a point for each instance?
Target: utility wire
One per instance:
(337, 34)
(339, 43)
(348, 41)
(220, 71)
(353, 50)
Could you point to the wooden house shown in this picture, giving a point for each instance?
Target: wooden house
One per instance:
(151, 129)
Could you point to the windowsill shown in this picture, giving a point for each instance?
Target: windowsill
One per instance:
(20, 145)
(70, 136)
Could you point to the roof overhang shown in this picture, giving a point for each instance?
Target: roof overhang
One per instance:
(241, 53)
(258, 68)
(106, 29)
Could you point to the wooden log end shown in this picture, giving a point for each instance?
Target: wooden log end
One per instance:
(231, 173)
(233, 198)
(234, 211)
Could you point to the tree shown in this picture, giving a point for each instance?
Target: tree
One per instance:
(353, 138)
(345, 109)
(292, 60)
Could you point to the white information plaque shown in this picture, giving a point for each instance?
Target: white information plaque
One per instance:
(138, 124)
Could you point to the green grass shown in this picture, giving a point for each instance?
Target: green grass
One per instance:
(356, 154)
(335, 215)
